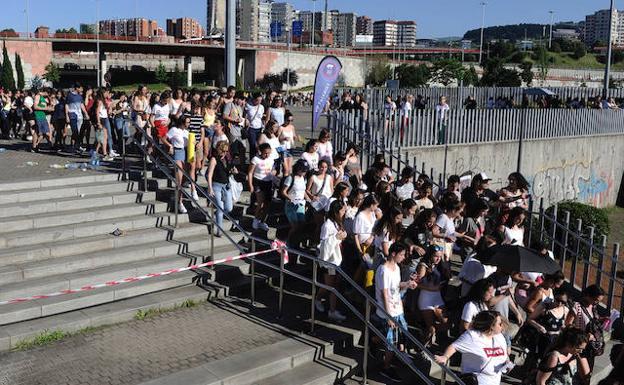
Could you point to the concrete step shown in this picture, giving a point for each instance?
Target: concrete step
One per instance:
(13, 313)
(254, 366)
(72, 272)
(78, 216)
(105, 314)
(66, 191)
(53, 234)
(56, 205)
(42, 251)
(55, 182)
(326, 371)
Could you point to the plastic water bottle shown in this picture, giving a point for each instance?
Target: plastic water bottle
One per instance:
(94, 158)
(2, 149)
(72, 166)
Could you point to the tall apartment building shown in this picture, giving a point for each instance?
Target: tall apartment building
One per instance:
(385, 33)
(283, 13)
(364, 25)
(344, 28)
(129, 27)
(184, 27)
(215, 16)
(264, 21)
(406, 33)
(597, 27)
(321, 23)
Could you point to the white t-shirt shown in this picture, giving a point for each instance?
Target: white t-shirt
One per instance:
(514, 234)
(263, 168)
(483, 356)
(328, 229)
(405, 191)
(471, 271)
(175, 106)
(325, 151)
(406, 108)
(297, 189)
(218, 138)
(388, 279)
(29, 101)
(161, 112)
(442, 110)
(363, 226)
(177, 137)
(446, 224)
(254, 114)
(312, 159)
(471, 309)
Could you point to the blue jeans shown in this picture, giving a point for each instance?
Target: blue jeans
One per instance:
(75, 122)
(121, 125)
(223, 199)
(253, 141)
(106, 123)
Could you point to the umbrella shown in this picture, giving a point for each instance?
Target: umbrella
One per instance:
(518, 259)
(537, 91)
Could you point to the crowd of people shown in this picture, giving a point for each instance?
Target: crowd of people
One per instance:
(396, 235)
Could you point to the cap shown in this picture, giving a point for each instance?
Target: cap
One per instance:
(484, 176)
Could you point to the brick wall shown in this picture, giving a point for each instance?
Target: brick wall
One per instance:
(35, 56)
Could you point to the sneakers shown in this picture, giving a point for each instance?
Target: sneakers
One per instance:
(318, 304)
(194, 195)
(182, 209)
(257, 225)
(390, 374)
(108, 158)
(336, 316)
(114, 154)
(82, 149)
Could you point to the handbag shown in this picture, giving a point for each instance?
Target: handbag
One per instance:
(595, 347)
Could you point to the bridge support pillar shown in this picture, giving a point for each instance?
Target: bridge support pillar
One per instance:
(188, 65)
(103, 68)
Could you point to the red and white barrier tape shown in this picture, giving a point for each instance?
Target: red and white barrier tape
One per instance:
(276, 245)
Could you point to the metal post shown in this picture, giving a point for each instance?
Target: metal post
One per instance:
(366, 338)
(289, 41)
(605, 89)
(97, 37)
(530, 235)
(313, 306)
(176, 199)
(577, 249)
(253, 274)
(521, 139)
(281, 282)
(589, 258)
(27, 19)
(230, 43)
(212, 228)
(313, 25)
(613, 276)
(551, 27)
(124, 173)
(483, 3)
(541, 217)
(145, 155)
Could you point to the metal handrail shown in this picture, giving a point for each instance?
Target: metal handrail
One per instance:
(369, 301)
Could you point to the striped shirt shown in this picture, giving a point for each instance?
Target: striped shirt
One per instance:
(196, 124)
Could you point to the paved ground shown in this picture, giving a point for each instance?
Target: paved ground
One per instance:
(137, 351)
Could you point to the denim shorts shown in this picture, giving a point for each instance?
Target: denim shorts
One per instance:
(392, 335)
(295, 212)
(42, 126)
(179, 154)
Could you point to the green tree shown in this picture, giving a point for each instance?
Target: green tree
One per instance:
(496, 75)
(445, 71)
(20, 72)
(555, 47)
(176, 77)
(270, 81)
(580, 51)
(543, 62)
(65, 30)
(379, 73)
(470, 77)
(413, 76)
(502, 50)
(6, 78)
(52, 73)
(161, 73)
(526, 73)
(292, 79)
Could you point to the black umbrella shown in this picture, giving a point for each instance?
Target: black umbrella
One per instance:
(518, 259)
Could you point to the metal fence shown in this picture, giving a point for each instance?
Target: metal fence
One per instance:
(583, 256)
(375, 97)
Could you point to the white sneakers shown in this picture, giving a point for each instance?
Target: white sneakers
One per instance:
(257, 225)
(318, 304)
(182, 209)
(114, 154)
(194, 195)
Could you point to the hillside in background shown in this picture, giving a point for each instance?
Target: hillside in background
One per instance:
(507, 32)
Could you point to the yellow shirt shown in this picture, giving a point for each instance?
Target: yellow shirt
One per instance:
(209, 119)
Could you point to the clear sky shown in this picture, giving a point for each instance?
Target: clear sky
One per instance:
(435, 18)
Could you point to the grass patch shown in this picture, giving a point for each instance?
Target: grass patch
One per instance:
(152, 312)
(566, 61)
(616, 222)
(44, 338)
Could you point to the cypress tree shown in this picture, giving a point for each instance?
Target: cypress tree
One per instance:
(6, 78)
(20, 72)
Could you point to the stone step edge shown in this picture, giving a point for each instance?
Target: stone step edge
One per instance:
(253, 366)
(55, 182)
(119, 186)
(322, 371)
(104, 314)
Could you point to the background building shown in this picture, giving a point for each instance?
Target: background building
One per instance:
(597, 27)
(344, 28)
(283, 13)
(184, 28)
(129, 27)
(385, 33)
(364, 25)
(249, 20)
(215, 20)
(406, 33)
(264, 21)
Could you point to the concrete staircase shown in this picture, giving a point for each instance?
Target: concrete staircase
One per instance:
(56, 235)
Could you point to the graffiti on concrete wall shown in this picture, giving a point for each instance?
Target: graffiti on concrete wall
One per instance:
(573, 180)
(497, 166)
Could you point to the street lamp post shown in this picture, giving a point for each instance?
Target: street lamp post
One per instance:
(552, 13)
(313, 24)
(27, 20)
(288, 40)
(605, 89)
(97, 38)
(483, 3)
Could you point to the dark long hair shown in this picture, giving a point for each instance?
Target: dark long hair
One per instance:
(334, 213)
(387, 223)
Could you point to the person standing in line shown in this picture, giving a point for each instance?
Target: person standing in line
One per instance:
(442, 112)
(233, 115)
(41, 107)
(218, 177)
(101, 132)
(254, 113)
(287, 136)
(176, 140)
(160, 115)
(75, 114)
(121, 113)
(277, 111)
(260, 179)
